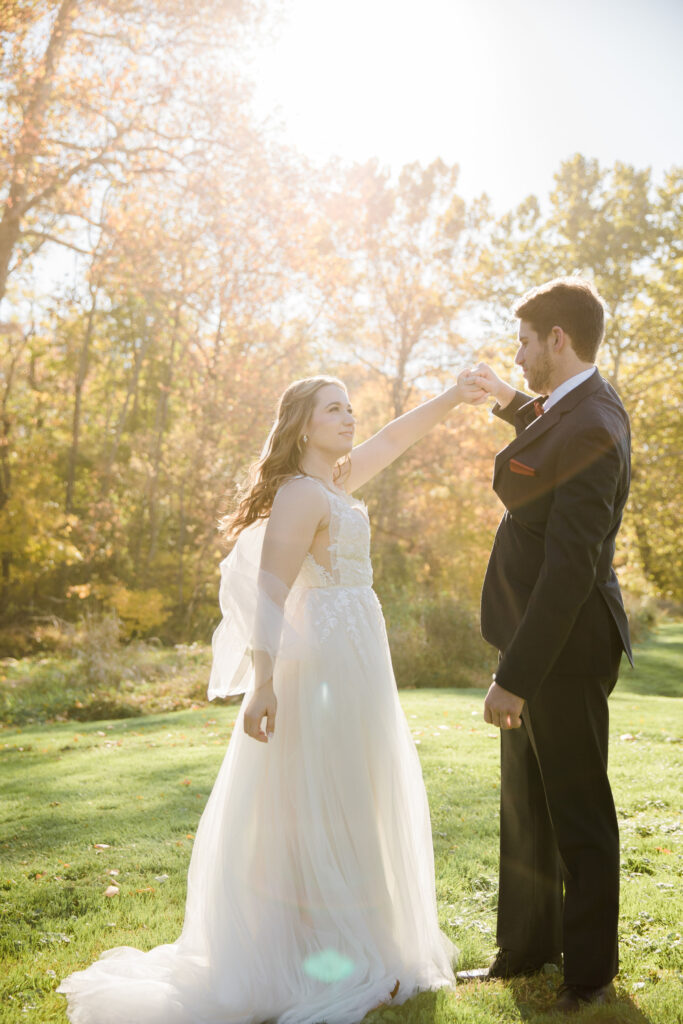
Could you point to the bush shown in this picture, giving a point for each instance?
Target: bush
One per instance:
(643, 615)
(437, 642)
(96, 643)
(92, 675)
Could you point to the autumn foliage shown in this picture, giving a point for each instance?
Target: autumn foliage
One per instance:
(167, 267)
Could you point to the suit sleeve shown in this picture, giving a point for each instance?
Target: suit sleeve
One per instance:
(581, 517)
(510, 411)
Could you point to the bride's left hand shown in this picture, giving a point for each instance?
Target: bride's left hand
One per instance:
(471, 391)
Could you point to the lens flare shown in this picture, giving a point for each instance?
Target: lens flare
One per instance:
(328, 965)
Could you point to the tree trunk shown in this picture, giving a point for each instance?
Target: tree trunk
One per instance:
(161, 423)
(5, 467)
(131, 394)
(30, 141)
(81, 374)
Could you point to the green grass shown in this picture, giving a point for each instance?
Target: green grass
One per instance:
(137, 788)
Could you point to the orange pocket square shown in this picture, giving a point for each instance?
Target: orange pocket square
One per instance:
(521, 468)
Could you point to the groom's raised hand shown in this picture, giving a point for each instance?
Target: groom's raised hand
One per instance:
(503, 708)
(483, 376)
(471, 392)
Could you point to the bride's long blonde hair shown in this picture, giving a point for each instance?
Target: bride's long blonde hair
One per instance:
(281, 455)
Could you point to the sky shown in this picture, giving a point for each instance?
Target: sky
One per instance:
(505, 88)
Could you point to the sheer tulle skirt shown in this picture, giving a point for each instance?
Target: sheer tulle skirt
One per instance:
(311, 885)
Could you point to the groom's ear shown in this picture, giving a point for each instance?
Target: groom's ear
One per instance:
(559, 340)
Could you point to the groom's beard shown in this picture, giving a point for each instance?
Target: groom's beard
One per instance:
(539, 375)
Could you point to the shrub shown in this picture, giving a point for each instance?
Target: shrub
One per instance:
(436, 642)
(644, 614)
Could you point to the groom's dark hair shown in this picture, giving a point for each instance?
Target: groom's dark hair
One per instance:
(571, 303)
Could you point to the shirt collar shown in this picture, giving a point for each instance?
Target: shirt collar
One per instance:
(567, 386)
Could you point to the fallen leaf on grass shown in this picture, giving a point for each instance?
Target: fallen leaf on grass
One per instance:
(101, 846)
(186, 782)
(147, 888)
(662, 849)
(111, 890)
(189, 836)
(161, 878)
(113, 871)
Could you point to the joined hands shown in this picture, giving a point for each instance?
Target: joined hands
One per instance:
(482, 383)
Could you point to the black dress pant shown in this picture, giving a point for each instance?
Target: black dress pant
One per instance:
(559, 838)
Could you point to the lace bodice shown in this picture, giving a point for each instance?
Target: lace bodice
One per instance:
(349, 547)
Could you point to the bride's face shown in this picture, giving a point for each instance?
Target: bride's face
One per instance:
(332, 423)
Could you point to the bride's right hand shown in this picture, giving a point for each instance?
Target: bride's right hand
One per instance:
(263, 704)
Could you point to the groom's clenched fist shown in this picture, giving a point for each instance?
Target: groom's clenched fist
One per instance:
(502, 708)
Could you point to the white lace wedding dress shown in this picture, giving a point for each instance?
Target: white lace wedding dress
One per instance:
(311, 885)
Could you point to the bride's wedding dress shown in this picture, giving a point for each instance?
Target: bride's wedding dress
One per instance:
(311, 885)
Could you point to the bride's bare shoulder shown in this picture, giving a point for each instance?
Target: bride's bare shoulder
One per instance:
(300, 491)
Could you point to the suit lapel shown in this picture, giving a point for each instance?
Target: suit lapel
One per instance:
(526, 414)
(542, 424)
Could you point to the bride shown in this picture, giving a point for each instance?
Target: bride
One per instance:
(311, 886)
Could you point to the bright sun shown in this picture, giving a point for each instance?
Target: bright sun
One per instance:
(488, 84)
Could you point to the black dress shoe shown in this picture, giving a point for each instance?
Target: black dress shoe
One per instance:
(506, 964)
(571, 998)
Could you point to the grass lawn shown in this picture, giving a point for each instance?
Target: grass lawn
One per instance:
(90, 805)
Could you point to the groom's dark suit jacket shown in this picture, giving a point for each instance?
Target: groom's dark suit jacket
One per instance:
(551, 600)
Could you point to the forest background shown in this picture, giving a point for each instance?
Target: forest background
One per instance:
(168, 265)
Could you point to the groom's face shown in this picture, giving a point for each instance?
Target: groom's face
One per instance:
(535, 359)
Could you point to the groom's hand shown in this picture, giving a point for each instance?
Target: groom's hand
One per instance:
(502, 708)
(469, 390)
(484, 376)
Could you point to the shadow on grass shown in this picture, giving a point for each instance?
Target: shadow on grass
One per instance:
(659, 665)
(535, 999)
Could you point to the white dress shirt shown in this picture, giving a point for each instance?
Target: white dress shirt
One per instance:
(567, 386)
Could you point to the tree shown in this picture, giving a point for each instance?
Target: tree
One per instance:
(392, 262)
(97, 93)
(613, 226)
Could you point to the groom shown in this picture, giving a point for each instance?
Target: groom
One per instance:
(551, 605)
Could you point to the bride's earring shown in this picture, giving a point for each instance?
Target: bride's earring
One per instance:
(305, 439)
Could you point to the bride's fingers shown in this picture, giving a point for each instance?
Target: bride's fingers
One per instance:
(252, 727)
(270, 724)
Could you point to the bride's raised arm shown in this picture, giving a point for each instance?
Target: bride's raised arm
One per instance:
(379, 451)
